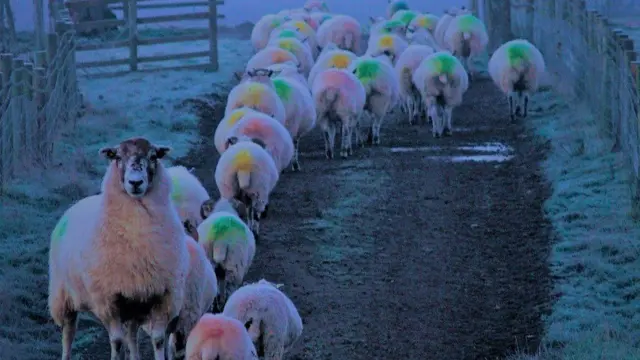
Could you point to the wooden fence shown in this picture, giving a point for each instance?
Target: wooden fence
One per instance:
(592, 59)
(132, 22)
(38, 96)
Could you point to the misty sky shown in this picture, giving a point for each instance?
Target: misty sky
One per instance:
(238, 11)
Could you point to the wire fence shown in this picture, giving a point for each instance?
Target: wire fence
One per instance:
(592, 59)
(39, 95)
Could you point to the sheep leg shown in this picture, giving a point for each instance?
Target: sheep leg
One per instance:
(346, 140)
(273, 349)
(116, 335)
(525, 106)
(329, 140)
(295, 164)
(448, 129)
(69, 328)
(131, 340)
(511, 108)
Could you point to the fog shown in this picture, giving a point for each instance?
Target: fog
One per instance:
(238, 11)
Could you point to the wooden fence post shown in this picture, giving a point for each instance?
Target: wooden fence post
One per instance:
(133, 35)
(6, 65)
(213, 34)
(17, 113)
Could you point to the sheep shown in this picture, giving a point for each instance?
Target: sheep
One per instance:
(424, 21)
(291, 71)
(331, 59)
(270, 55)
(405, 16)
(227, 123)
(299, 107)
(389, 45)
(382, 90)
(256, 91)
(187, 194)
(394, 6)
(316, 5)
(516, 67)
(271, 318)
(263, 28)
(301, 51)
(229, 244)
(219, 337)
(305, 29)
(382, 27)
(266, 131)
(342, 30)
(247, 172)
(122, 254)
(201, 291)
(407, 63)
(339, 98)
(465, 37)
(443, 24)
(442, 81)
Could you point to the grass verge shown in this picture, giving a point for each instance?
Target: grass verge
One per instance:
(140, 104)
(595, 258)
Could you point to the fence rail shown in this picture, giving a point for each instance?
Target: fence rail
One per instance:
(132, 21)
(38, 96)
(594, 61)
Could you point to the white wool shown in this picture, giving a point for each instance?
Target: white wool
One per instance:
(381, 26)
(433, 84)
(227, 123)
(300, 110)
(305, 29)
(268, 56)
(422, 37)
(187, 194)
(275, 324)
(441, 29)
(465, 44)
(246, 170)
(273, 134)
(263, 28)
(383, 93)
(338, 95)
(219, 337)
(389, 45)
(391, 8)
(201, 291)
(260, 96)
(318, 18)
(327, 60)
(290, 71)
(407, 64)
(230, 246)
(518, 79)
(300, 50)
(342, 30)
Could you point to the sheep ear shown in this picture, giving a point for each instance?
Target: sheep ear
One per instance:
(232, 141)
(247, 324)
(190, 229)
(109, 153)
(162, 151)
(238, 75)
(206, 208)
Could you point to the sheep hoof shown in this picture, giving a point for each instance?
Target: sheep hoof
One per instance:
(376, 140)
(329, 154)
(295, 166)
(344, 154)
(447, 132)
(436, 135)
(350, 151)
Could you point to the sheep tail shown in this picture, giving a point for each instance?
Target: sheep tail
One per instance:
(443, 78)
(466, 35)
(209, 350)
(244, 179)
(219, 252)
(348, 41)
(331, 96)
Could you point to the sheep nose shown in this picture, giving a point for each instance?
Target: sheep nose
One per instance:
(136, 183)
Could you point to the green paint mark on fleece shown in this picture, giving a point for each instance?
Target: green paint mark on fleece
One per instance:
(224, 226)
(407, 17)
(176, 189)
(516, 53)
(443, 64)
(60, 229)
(367, 70)
(283, 89)
(391, 25)
(287, 34)
(467, 22)
(399, 5)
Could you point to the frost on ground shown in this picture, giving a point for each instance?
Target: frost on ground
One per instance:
(148, 104)
(596, 256)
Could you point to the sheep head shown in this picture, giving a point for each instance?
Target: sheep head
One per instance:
(190, 229)
(137, 163)
(232, 206)
(258, 75)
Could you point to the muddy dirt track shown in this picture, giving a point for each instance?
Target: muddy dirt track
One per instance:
(400, 254)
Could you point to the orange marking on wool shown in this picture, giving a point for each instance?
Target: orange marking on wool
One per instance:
(386, 41)
(341, 61)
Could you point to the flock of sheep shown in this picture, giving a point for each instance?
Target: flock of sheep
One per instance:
(153, 251)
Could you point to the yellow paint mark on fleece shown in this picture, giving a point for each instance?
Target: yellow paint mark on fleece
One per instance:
(253, 95)
(302, 26)
(287, 44)
(386, 41)
(281, 56)
(60, 229)
(235, 116)
(243, 161)
(340, 61)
